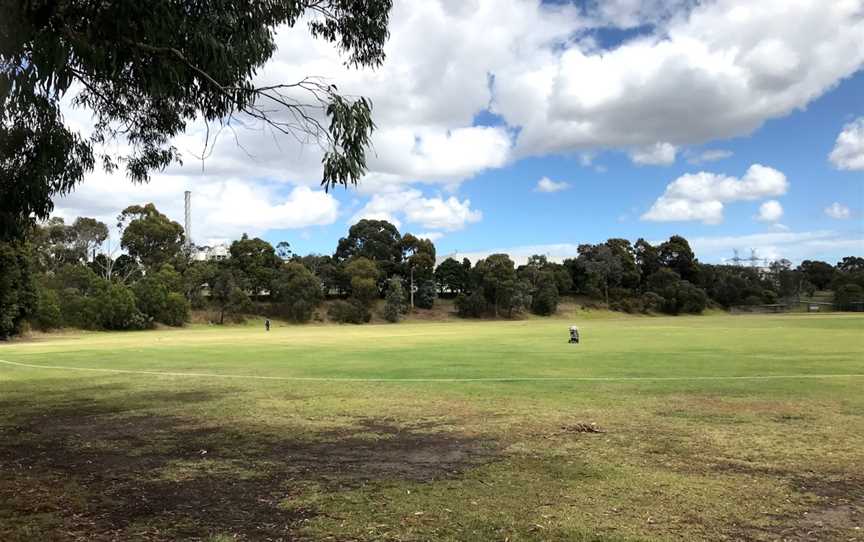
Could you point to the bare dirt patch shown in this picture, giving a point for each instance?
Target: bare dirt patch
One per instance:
(88, 470)
(834, 506)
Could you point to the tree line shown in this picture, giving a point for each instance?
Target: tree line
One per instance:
(71, 275)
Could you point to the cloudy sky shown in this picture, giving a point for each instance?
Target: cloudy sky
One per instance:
(532, 127)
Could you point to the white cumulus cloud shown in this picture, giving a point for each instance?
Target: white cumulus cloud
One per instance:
(436, 213)
(701, 196)
(848, 151)
(659, 154)
(546, 184)
(702, 71)
(838, 211)
(720, 70)
(221, 208)
(431, 235)
(770, 211)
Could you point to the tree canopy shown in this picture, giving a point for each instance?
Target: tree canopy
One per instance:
(150, 236)
(51, 280)
(148, 69)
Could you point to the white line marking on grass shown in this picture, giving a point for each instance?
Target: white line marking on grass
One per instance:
(487, 379)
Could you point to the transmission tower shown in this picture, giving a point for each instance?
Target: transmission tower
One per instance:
(753, 259)
(737, 259)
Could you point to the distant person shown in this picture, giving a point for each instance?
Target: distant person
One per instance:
(267, 324)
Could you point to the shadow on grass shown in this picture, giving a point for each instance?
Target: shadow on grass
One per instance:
(105, 469)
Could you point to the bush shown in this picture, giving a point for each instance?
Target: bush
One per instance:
(630, 305)
(652, 302)
(364, 275)
(151, 295)
(157, 299)
(47, 315)
(752, 300)
(237, 306)
(471, 306)
(769, 296)
(78, 310)
(176, 311)
(116, 308)
(394, 300)
(848, 294)
(424, 297)
(298, 291)
(17, 288)
(545, 300)
(348, 312)
(684, 297)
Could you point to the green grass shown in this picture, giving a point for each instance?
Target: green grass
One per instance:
(91, 456)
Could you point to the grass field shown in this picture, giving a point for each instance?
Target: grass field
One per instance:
(402, 444)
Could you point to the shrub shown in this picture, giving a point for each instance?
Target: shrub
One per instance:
(769, 296)
(424, 297)
(364, 276)
(47, 315)
(176, 311)
(348, 312)
(752, 300)
(151, 295)
(78, 310)
(630, 305)
(684, 297)
(17, 288)
(115, 305)
(652, 302)
(545, 300)
(848, 294)
(394, 300)
(237, 305)
(298, 291)
(471, 306)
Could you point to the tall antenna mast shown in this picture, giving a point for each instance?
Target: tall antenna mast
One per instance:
(188, 204)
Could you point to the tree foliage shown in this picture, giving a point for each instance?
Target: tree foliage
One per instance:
(820, 274)
(296, 291)
(159, 297)
(544, 299)
(364, 274)
(847, 296)
(394, 300)
(376, 240)
(228, 295)
(149, 236)
(18, 296)
(146, 69)
(49, 281)
(453, 277)
(256, 262)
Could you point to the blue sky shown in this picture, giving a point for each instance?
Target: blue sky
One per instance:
(608, 203)
(479, 101)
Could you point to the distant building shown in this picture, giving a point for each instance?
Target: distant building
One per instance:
(207, 254)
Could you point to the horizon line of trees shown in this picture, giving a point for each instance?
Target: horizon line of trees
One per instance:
(71, 275)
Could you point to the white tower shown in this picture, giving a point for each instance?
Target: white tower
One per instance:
(188, 202)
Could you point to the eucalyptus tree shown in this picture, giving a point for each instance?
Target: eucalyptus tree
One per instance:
(147, 69)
